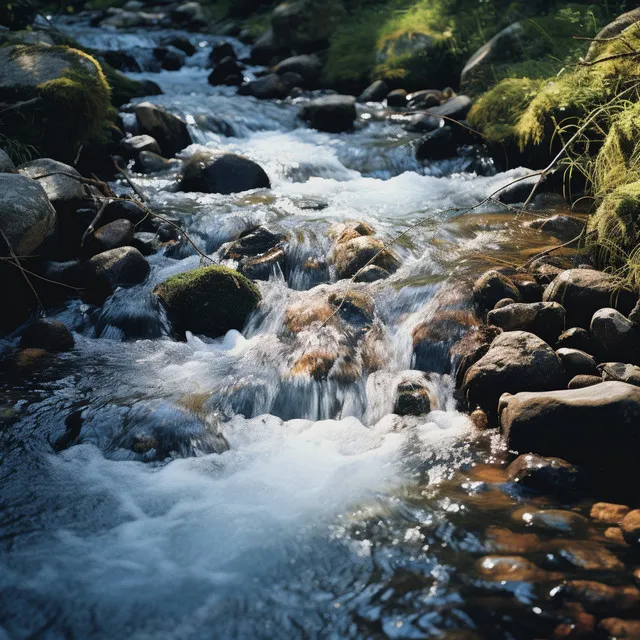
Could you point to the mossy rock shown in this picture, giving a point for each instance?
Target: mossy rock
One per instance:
(58, 98)
(208, 300)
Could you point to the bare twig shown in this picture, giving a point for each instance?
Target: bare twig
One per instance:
(139, 192)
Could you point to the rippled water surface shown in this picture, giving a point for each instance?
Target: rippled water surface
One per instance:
(210, 493)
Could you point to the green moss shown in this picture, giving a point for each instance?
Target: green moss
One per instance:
(208, 300)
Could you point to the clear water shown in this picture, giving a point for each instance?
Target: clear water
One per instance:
(269, 506)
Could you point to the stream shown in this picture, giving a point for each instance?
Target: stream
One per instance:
(210, 493)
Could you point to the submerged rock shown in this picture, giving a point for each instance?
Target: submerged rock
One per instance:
(333, 114)
(168, 130)
(27, 218)
(547, 475)
(224, 173)
(608, 513)
(598, 597)
(208, 300)
(582, 292)
(592, 426)
(516, 361)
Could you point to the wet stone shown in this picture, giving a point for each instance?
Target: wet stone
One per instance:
(597, 597)
(47, 335)
(509, 569)
(557, 521)
(587, 555)
(547, 475)
(492, 287)
(608, 513)
(615, 535)
(631, 527)
(412, 397)
(503, 540)
(621, 629)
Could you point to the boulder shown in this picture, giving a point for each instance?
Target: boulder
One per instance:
(473, 346)
(225, 173)
(120, 267)
(220, 51)
(595, 426)
(618, 371)
(582, 292)
(350, 256)
(6, 164)
(516, 361)
(614, 337)
(456, 108)
(582, 382)
(505, 302)
(263, 266)
(150, 162)
(168, 130)
(269, 87)
(208, 300)
(125, 209)
(61, 89)
(375, 92)
(112, 235)
(181, 43)
(47, 335)
(253, 242)
(544, 319)
(397, 98)
(308, 67)
(27, 218)
(547, 475)
(226, 68)
(170, 58)
(492, 287)
(427, 98)
(563, 227)
(333, 114)
(440, 144)
(412, 397)
(557, 521)
(131, 147)
(577, 363)
(575, 338)
(423, 123)
(189, 14)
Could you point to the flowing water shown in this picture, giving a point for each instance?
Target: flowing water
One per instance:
(208, 493)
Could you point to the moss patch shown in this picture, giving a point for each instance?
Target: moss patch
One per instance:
(208, 300)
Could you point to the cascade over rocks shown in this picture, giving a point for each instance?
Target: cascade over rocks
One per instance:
(582, 292)
(594, 427)
(168, 130)
(516, 361)
(208, 300)
(225, 173)
(333, 114)
(27, 218)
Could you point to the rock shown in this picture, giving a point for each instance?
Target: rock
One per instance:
(372, 273)
(375, 92)
(6, 164)
(557, 521)
(172, 59)
(181, 43)
(225, 173)
(253, 242)
(266, 51)
(620, 629)
(577, 363)
(592, 426)
(612, 30)
(582, 292)
(308, 67)
(227, 67)
(131, 147)
(505, 302)
(468, 350)
(220, 51)
(612, 371)
(544, 319)
(412, 398)
(397, 98)
(582, 382)
(440, 144)
(516, 361)
(127, 210)
(112, 235)
(261, 267)
(150, 162)
(306, 25)
(333, 114)
(529, 288)
(597, 597)
(565, 228)
(608, 513)
(615, 337)
(146, 242)
(427, 98)
(189, 14)
(586, 555)
(208, 300)
(168, 130)
(124, 266)
(509, 569)
(547, 475)
(50, 336)
(350, 256)
(631, 527)
(575, 338)
(61, 89)
(269, 87)
(27, 218)
(423, 123)
(62, 184)
(456, 108)
(479, 419)
(492, 287)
